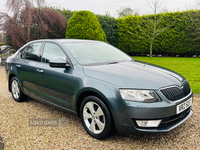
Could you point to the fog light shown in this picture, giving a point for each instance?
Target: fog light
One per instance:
(148, 123)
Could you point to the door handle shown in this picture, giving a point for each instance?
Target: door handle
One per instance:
(18, 66)
(39, 70)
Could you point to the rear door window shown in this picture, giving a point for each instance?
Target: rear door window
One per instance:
(32, 52)
(23, 53)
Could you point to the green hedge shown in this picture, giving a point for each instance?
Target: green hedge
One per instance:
(109, 26)
(174, 41)
(85, 25)
(66, 13)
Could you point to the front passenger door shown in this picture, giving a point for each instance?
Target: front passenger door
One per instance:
(55, 84)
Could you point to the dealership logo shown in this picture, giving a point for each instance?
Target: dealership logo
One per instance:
(48, 122)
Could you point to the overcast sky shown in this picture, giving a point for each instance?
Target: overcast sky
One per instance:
(102, 6)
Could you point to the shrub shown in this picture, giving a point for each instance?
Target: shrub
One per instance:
(108, 24)
(84, 25)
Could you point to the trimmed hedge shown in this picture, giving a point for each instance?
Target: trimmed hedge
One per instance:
(109, 26)
(174, 41)
(66, 13)
(84, 25)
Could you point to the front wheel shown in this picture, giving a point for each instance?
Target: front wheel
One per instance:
(16, 91)
(96, 118)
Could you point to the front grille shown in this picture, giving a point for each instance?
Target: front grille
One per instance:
(175, 93)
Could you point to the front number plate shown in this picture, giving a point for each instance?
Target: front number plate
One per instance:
(183, 106)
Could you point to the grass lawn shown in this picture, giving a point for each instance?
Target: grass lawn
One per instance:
(188, 67)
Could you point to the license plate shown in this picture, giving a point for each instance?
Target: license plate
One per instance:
(183, 106)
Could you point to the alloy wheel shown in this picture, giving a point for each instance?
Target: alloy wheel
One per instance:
(94, 117)
(15, 89)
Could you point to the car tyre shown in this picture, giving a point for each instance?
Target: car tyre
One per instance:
(96, 118)
(16, 91)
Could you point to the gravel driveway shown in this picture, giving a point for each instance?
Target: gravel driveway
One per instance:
(17, 134)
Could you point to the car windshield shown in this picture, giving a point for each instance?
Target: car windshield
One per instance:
(96, 53)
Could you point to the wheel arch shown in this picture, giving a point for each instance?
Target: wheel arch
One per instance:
(11, 75)
(94, 92)
(91, 92)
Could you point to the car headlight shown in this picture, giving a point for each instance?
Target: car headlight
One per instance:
(147, 96)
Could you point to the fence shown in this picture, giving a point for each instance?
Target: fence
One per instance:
(5, 53)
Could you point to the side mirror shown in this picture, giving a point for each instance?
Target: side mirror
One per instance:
(59, 63)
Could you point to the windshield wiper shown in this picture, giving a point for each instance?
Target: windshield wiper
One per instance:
(114, 62)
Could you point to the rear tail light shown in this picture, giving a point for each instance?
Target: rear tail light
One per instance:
(5, 62)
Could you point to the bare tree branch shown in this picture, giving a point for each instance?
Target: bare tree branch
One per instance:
(126, 11)
(149, 27)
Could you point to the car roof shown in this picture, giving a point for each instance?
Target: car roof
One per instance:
(67, 40)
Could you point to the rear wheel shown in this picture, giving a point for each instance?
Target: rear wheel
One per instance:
(96, 118)
(16, 91)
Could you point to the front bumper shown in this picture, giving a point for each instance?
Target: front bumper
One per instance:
(165, 110)
(168, 123)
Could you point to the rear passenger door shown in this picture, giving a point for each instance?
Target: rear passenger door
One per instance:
(55, 84)
(26, 66)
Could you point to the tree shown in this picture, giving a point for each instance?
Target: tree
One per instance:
(29, 22)
(15, 33)
(150, 27)
(164, 10)
(85, 25)
(17, 6)
(126, 11)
